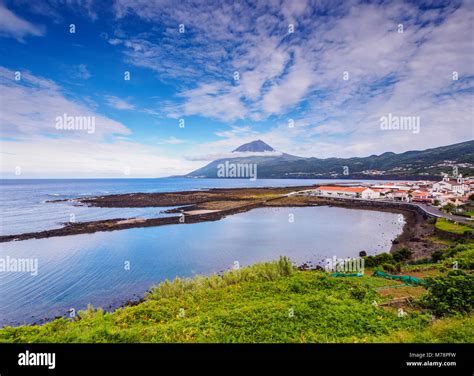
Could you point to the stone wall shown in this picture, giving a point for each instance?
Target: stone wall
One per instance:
(384, 205)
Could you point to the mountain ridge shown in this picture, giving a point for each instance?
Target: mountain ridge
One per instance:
(427, 164)
(253, 146)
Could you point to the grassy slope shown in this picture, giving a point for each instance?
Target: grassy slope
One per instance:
(449, 226)
(255, 305)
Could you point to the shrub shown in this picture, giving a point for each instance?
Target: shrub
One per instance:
(389, 268)
(402, 254)
(437, 255)
(269, 271)
(358, 292)
(383, 258)
(448, 208)
(463, 259)
(442, 254)
(450, 294)
(369, 261)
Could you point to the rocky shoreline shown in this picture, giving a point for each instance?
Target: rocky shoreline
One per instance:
(215, 204)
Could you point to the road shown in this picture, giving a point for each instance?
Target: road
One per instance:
(431, 210)
(438, 213)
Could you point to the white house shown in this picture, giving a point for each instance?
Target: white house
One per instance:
(398, 195)
(348, 192)
(370, 194)
(451, 185)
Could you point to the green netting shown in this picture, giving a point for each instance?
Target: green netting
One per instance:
(346, 275)
(404, 278)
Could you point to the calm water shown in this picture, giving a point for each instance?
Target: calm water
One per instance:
(81, 269)
(24, 206)
(77, 270)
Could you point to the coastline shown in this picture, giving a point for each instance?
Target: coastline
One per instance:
(215, 204)
(158, 312)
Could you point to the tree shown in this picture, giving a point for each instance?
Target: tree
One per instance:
(449, 208)
(402, 254)
(450, 294)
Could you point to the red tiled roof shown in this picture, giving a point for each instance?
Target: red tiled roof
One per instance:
(420, 193)
(451, 181)
(344, 189)
(422, 199)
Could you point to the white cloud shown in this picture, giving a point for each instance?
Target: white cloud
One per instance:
(213, 101)
(290, 90)
(214, 156)
(173, 141)
(31, 141)
(283, 75)
(82, 72)
(44, 157)
(31, 106)
(236, 131)
(16, 27)
(119, 104)
(300, 75)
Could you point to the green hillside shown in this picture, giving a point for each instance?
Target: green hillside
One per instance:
(270, 302)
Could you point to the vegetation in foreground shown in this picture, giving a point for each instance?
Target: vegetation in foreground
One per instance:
(273, 302)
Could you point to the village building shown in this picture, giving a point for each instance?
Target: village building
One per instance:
(456, 186)
(455, 191)
(348, 192)
(393, 186)
(421, 196)
(398, 195)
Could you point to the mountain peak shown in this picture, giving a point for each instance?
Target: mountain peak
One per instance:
(254, 146)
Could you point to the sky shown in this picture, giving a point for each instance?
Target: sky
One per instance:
(172, 85)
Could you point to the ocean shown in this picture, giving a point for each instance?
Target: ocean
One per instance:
(24, 203)
(109, 268)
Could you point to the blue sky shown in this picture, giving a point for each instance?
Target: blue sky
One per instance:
(345, 65)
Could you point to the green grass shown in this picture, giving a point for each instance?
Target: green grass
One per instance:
(463, 259)
(263, 303)
(456, 228)
(449, 330)
(467, 213)
(437, 240)
(456, 256)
